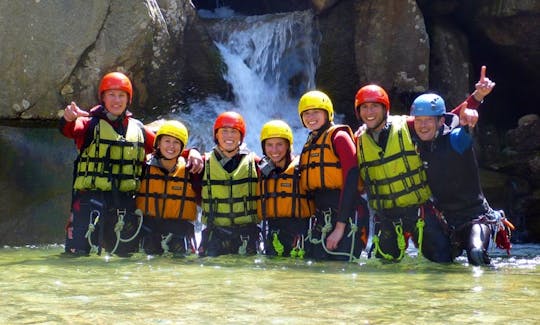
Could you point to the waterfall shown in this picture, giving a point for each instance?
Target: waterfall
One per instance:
(271, 62)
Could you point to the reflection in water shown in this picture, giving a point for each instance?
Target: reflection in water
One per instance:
(39, 286)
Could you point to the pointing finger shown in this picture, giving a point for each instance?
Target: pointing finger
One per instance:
(483, 73)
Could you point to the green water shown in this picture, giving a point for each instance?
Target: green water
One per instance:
(40, 287)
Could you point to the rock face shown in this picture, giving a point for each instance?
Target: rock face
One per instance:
(392, 46)
(54, 52)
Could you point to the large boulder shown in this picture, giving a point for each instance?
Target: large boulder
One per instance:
(392, 48)
(42, 43)
(50, 56)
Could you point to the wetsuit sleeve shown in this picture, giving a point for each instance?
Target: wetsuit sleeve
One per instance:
(75, 130)
(196, 183)
(346, 151)
(460, 139)
(149, 137)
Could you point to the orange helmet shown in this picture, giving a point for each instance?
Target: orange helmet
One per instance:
(230, 120)
(371, 94)
(116, 81)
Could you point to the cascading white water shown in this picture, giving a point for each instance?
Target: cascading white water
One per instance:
(270, 63)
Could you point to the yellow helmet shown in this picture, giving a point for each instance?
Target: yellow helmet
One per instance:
(316, 100)
(173, 129)
(277, 129)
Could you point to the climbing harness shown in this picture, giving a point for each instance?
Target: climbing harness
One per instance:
(327, 228)
(118, 227)
(501, 228)
(401, 238)
(189, 245)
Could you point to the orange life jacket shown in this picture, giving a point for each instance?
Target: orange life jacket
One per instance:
(319, 164)
(281, 196)
(168, 196)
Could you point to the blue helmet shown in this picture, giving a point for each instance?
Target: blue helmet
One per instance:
(428, 105)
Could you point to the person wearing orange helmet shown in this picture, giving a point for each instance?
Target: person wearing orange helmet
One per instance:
(229, 191)
(327, 162)
(169, 195)
(395, 180)
(283, 207)
(111, 148)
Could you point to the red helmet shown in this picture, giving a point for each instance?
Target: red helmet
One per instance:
(116, 81)
(371, 94)
(230, 120)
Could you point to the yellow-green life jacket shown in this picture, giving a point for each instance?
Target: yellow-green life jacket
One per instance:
(111, 160)
(394, 177)
(229, 198)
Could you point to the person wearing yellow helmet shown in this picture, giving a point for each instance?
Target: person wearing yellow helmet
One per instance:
(327, 160)
(283, 207)
(169, 195)
(112, 146)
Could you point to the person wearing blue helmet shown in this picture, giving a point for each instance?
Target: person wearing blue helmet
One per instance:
(446, 149)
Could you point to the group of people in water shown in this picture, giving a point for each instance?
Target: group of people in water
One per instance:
(416, 175)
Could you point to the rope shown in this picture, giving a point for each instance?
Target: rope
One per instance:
(378, 250)
(164, 242)
(328, 228)
(298, 249)
(402, 245)
(119, 226)
(278, 246)
(420, 225)
(242, 250)
(91, 229)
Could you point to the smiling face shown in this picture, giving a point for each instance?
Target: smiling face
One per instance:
(115, 101)
(373, 115)
(426, 127)
(276, 149)
(170, 147)
(314, 119)
(229, 140)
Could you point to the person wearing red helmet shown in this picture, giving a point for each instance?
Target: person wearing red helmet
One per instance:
(448, 153)
(395, 180)
(229, 192)
(111, 148)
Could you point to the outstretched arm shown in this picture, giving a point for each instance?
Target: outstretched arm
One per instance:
(468, 115)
